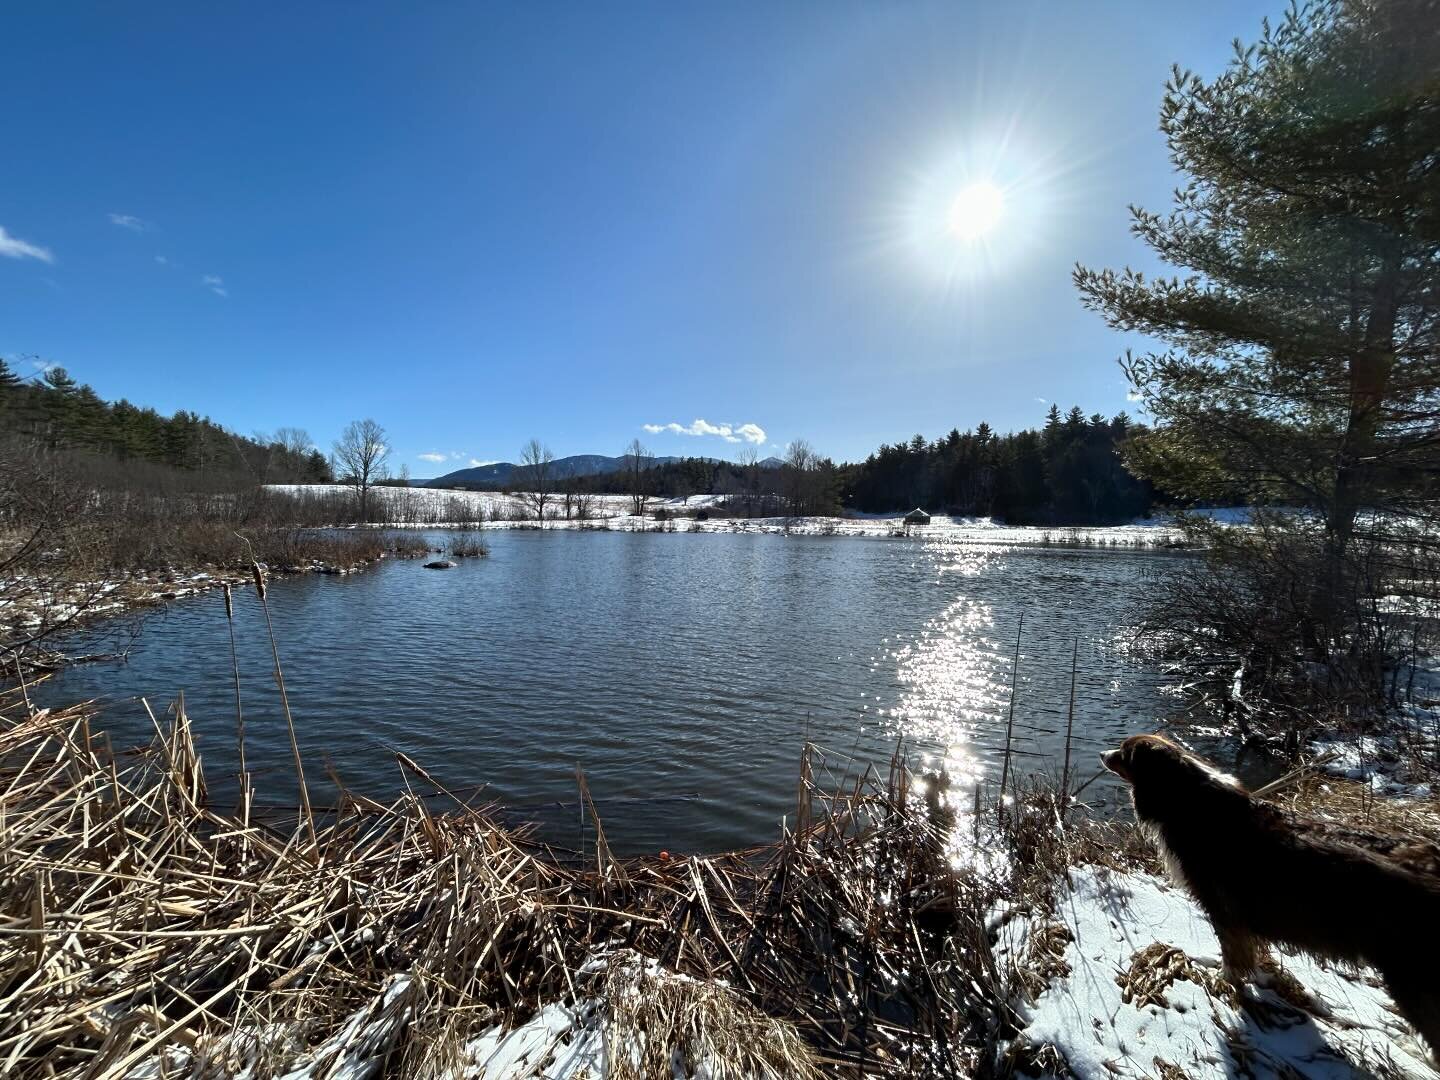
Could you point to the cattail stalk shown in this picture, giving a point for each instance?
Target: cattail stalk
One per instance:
(285, 707)
(1010, 721)
(235, 669)
(1069, 727)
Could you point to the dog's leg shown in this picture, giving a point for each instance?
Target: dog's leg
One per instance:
(1240, 953)
(1418, 1001)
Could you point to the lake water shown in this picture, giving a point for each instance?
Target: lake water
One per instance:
(683, 673)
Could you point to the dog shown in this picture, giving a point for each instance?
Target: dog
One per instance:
(1263, 875)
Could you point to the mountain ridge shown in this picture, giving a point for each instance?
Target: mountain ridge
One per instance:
(500, 473)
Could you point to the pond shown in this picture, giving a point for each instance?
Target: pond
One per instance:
(682, 672)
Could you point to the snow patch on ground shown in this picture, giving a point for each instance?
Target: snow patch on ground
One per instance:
(1380, 760)
(558, 1043)
(442, 508)
(1112, 916)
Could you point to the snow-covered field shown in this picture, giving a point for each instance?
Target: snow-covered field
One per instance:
(1140, 996)
(439, 508)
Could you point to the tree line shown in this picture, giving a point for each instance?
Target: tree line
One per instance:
(1068, 472)
(124, 444)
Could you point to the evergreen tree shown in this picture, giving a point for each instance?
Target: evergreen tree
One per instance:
(1305, 336)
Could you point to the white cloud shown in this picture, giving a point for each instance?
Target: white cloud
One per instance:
(1042, 401)
(12, 247)
(1133, 395)
(751, 433)
(476, 463)
(431, 457)
(162, 260)
(129, 221)
(42, 366)
(215, 283)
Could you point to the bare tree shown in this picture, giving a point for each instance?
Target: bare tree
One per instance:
(294, 441)
(578, 501)
(360, 455)
(799, 462)
(295, 447)
(584, 505)
(638, 463)
(536, 477)
(750, 470)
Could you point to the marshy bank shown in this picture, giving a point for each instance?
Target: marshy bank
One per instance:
(111, 570)
(147, 928)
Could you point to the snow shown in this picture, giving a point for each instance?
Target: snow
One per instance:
(1378, 760)
(558, 1043)
(428, 507)
(1112, 916)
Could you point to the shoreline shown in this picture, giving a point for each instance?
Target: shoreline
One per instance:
(116, 595)
(906, 928)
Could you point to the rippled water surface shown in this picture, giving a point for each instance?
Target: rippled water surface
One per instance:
(683, 672)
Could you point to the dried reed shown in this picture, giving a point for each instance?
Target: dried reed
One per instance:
(141, 924)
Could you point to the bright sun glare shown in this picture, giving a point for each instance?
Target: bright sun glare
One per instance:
(976, 210)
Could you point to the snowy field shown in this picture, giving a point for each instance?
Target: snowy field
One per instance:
(440, 508)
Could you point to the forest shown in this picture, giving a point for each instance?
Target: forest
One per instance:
(1068, 472)
(121, 445)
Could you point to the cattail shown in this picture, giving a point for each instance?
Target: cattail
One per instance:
(259, 579)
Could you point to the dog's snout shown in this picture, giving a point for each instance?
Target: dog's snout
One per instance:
(1111, 760)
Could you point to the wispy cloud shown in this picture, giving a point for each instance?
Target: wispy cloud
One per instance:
(1134, 395)
(476, 463)
(1042, 401)
(43, 366)
(734, 433)
(129, 221)
(215, 284)
(12, 247)
(435, 458)
(162, 260)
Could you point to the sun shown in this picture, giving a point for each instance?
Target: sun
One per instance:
(976, 209)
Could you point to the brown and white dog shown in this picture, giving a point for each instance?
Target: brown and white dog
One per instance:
(1263, 875)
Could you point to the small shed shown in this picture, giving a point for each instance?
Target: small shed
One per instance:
(917, 517)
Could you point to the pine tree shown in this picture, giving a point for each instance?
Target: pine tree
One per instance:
(1305, 346)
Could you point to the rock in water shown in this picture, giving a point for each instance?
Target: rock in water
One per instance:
(439, 564)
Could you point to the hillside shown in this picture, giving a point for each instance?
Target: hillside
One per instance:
(500, 473)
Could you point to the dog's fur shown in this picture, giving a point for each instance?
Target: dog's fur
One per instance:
(1263, 875)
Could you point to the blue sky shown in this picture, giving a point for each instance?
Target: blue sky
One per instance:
(478, 223)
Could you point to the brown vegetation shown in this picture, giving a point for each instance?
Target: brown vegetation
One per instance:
(142, 919)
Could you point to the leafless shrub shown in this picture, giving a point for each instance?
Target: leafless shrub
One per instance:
(1273, 624)
(470, 545)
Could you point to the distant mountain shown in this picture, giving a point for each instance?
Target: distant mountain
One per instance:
(501, 473)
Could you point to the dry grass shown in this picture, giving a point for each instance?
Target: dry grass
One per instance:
(141, 921)
(468, 545)
(651, 1013)
(1355, 804)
